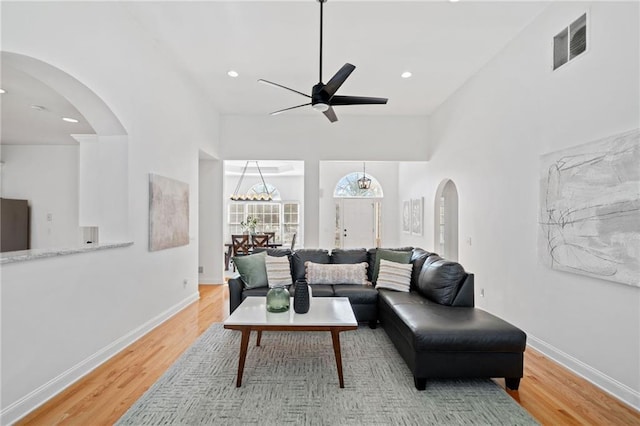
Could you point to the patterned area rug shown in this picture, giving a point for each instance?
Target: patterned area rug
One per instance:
(292, 379)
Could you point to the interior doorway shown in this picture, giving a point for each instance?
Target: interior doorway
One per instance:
(446, 220)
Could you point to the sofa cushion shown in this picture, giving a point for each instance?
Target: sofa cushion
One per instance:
(301, 256)
(418, 258)
(252, 270)
(391, 255)
(357, 294)
(394, 276)
(317, 273)
(348, 256)
(440, 280)
(260, 291)
(278, 271)
(393, 298)
(319, 290)
(435, 328)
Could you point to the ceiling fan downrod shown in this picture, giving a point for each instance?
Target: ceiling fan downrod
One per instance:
(321, 25)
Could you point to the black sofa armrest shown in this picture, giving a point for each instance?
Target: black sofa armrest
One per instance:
(235, 293)
(465, 296)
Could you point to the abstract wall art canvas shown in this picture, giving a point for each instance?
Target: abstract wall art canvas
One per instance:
(406, 216)
(416, 216)
(168, 213)
(589, 218)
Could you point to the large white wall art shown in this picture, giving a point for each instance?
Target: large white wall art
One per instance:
(168, 213)
(590, 209)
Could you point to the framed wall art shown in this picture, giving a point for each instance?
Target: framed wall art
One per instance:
(168, 213)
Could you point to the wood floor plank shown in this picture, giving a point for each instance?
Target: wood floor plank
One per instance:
(550, 393)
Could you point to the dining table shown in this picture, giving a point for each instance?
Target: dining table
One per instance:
(229, 252)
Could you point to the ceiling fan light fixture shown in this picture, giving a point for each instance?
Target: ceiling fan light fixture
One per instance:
(320, 107)
(323, 96)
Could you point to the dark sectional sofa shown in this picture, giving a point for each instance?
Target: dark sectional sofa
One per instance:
(435, 326)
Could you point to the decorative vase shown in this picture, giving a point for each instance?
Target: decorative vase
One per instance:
(301, 297)
(278, 299)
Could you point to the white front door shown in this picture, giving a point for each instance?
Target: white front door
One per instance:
(358, 222)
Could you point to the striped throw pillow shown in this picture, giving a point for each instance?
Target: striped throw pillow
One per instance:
(394, 276)
(278, 271)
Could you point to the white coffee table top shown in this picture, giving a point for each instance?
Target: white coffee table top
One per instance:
(323, 311)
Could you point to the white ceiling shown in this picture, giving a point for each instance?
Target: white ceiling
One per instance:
(24, 125)
(267, 168)
(442, 43)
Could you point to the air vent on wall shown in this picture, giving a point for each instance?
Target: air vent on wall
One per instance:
(570, 42)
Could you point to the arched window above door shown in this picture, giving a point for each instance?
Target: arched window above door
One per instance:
(259, 189)
(347, 187)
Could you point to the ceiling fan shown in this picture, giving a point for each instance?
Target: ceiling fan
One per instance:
(323, 96)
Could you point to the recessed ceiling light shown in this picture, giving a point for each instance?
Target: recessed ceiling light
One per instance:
(69, 120)
(38, 107)
(232, 73)
(406, 74)
(2, 91)
(453, 1)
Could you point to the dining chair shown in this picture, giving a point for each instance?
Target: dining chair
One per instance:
(293, 241)
(239, 246)
(272, 237)
(260, 240)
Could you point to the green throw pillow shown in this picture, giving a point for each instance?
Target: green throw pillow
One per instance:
(391, 256)
(252, 270)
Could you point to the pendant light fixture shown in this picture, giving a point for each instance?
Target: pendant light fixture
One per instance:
(364, 182)
(265, 196)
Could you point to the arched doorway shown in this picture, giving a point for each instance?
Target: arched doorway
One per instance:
(446, 220)
(358, 218)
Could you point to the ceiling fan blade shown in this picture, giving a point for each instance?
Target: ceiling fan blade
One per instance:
(287, 109)
(271, 83)
(336, 81)
(331, 115)
(356, 100)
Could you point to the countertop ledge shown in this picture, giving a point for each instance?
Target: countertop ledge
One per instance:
(25, 255)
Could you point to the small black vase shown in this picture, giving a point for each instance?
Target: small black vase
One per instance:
(301, 297)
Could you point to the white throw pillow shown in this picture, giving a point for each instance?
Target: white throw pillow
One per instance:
(320, 273)
(394, 276)
(278, 271)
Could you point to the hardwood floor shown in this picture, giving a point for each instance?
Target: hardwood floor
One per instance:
(552, 394)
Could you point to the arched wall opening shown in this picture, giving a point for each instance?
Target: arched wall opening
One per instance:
(446, 220)
(96, 179)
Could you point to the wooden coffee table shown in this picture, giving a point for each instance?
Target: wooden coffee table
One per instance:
(333, 314)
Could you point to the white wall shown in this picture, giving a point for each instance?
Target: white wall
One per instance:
(47, 176)
(488, 139)
(84, 308)
(313, 139)
(210, 216)
(386, 172)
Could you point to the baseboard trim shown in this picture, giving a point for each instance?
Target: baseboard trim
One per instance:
(39, 396)
(608, 384)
